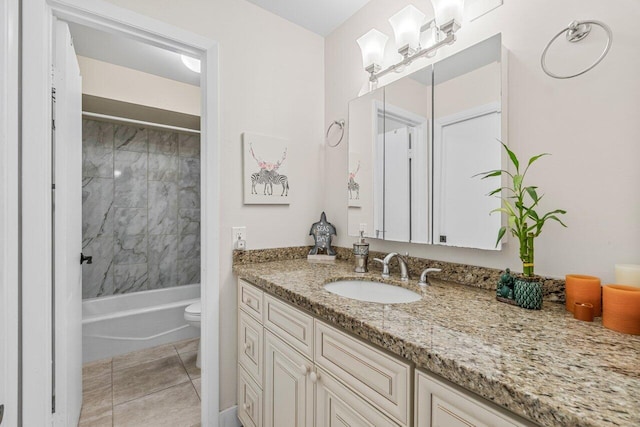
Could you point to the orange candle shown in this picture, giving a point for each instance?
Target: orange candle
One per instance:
(584, 289)
(621, 308)
(583, 311)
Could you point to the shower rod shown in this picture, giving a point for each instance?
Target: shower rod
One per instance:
(138, 122)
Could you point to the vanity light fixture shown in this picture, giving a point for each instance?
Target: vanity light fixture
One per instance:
(191, 63)
(414, 38)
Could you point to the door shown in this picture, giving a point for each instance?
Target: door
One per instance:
(288, 388)
(67, 221)
(397, 185)
(465, 145)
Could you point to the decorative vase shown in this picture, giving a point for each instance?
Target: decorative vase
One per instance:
(528, 292)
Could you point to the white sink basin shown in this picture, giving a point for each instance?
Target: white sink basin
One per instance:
(372, 291)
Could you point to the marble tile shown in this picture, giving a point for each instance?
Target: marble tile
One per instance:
(163, 264)
(97, 278)
(189, 247)
(130, 138)
(189, 197)
(130, 221)
(163, 207)
(130, 278)
(189, 362)
(163, 142)
(188, 271)
(189, 182)
(96, 368)
(187, 346)
(130, 249)
(189, 145)
(97, 149)
(141, 380)
(130, 179)
(197, 384)
(178, 406)
(163, 167)
(97, 207)
(189, 172)
(97, 134)
(143, 356)
(188, 221)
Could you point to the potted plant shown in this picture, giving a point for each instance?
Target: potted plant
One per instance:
(519, 204)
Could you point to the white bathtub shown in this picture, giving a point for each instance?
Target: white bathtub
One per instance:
(120, 324)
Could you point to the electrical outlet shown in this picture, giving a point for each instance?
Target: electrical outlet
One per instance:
(239, 237)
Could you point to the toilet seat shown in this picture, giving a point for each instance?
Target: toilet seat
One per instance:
(192, 312)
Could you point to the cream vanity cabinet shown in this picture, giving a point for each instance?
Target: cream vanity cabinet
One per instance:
(297, 371)
(294, 370)
(439, 404)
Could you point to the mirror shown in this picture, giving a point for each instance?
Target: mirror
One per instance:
(415, 145)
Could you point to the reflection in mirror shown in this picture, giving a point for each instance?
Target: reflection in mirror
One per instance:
(415, 145)
(363, 132)
(403, 159)
(467, 129)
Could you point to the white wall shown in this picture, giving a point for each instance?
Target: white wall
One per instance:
(590, 125)
(271, 82)
(127, 85)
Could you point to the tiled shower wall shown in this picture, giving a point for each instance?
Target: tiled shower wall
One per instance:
(140, 208)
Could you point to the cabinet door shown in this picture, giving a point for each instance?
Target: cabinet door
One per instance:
(440, 405)
(250, 346)
(338, 406)
(249, 400)
(288, 390)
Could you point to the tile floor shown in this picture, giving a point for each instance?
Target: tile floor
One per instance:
(159, 386)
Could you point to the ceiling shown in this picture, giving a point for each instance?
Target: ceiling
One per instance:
(129, 53)
(319, 16)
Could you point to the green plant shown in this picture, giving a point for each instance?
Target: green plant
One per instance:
(519, 203)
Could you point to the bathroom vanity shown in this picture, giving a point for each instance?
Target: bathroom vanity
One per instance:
(308, 357)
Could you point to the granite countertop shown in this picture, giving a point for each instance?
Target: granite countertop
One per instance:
(542, 365)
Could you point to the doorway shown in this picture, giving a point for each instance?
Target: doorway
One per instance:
(38, 240)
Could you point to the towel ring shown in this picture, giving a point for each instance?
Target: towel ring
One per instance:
(339, 123)
(576, 31)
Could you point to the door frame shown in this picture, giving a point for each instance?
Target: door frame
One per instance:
(36, 187)
(9, 211)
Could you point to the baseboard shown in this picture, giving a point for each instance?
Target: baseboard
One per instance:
(229, 417)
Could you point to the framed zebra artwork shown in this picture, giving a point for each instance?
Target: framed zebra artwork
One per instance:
(353, 180)
(265, 171)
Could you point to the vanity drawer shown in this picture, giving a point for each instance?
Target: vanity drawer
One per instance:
(250, 299)
(250, 345)
(293, 326)
(381, 379)
(249, 400)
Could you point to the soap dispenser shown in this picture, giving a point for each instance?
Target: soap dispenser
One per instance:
(361, 254)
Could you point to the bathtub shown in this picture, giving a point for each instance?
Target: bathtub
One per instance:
(120, 324)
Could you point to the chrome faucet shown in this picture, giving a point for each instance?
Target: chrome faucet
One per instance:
(424, 276)
(404, 271)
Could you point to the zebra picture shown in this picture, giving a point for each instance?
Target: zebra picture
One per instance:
(268, 178)
(268, 175)
(352, 185)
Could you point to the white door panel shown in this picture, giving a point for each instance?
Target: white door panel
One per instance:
(68, 231)
(465, 147)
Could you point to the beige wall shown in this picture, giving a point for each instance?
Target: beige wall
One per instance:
(271, 82)
(588, 123)
(127, 85)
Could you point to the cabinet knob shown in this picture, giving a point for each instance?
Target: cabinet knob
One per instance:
(246, 407)
(249, 301)
(247, 346)
(314, 377)
(304, 369)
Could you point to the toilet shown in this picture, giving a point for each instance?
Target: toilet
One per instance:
(192, 316)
